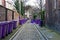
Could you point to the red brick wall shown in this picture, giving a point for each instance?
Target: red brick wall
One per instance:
(2, 14)
(9, 15)
(16, 17)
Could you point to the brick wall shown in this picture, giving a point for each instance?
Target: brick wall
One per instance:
(2, 14)
(53, 15)
(16, 17)
(48, 12)
(9, 15)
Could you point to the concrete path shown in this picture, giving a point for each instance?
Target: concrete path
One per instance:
(48, 33)
(28, 32)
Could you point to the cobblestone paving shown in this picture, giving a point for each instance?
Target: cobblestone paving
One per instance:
(28, 32)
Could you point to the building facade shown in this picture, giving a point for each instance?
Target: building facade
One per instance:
(52, 16)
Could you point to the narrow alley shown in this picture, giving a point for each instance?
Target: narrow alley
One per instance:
(28, 32)
(32, 31)
(29, 19)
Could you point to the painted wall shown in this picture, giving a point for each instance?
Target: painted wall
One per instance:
(0, 2)
(9, 4)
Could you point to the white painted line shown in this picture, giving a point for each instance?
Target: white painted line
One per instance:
(41, 33)
(18, 32)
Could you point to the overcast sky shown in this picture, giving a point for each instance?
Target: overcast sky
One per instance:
(34, 2)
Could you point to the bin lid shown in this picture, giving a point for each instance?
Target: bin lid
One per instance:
(4, 22)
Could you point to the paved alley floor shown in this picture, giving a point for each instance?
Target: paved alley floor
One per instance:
(28, 32)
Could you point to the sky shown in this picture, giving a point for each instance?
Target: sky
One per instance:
(8, 0)
(11, 1)
(34, 3)
(31, 2)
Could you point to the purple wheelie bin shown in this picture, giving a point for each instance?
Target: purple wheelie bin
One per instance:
(20, 22)
(7, 25)
(23, 21)
(3, 29)
(38, 21)
(32, 21)
(14, 24)
(10, 29)
(41, 23)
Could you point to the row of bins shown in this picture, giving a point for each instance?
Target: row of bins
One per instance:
(7, 27)
(22, 21)
(37, 21)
